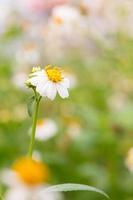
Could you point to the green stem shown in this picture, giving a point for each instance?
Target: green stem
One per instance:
(31, 146)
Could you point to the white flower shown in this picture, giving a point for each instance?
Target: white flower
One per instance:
(46, 128)
(20, 191)
(49, 81)
(66, 29)
(65, 15)
(24, 193)
(65, 21)
(24, 181)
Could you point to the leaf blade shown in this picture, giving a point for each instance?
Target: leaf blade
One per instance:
(30, 106)
(68, 187)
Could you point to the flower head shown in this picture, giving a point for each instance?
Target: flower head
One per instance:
(30, 171)
(46, 129)
(62, 15)
(49, 81)
(25, 181)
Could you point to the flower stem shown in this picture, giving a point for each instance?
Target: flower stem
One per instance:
(31, 146)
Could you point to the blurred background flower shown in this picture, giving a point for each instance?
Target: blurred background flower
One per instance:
(25, 181)
(46, 129)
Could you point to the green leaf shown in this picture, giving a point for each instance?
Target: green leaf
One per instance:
(74, 187)
(30, 105)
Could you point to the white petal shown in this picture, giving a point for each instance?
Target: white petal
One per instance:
(63, 92)
(9, 178)
(39, 73)
(42, 195)
(34, 80)
(41, 87)
(46, 130)
(17, 194)
(38, 77)
(51, 90)
(65, 82)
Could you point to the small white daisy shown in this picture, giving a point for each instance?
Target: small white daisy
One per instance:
(25, 181)
(46, 129)
(49, 81)
(62, 15)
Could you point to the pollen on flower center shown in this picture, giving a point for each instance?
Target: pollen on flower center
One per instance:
(54, 73)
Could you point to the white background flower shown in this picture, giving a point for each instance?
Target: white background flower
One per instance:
(20, 191)
(65, 15)
(46, 129)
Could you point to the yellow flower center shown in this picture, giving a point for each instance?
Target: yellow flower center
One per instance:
(58, 20)
(54, 73)
(30, 171)
(40, 122)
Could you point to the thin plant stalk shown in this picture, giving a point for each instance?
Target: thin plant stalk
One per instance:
(33, 132)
